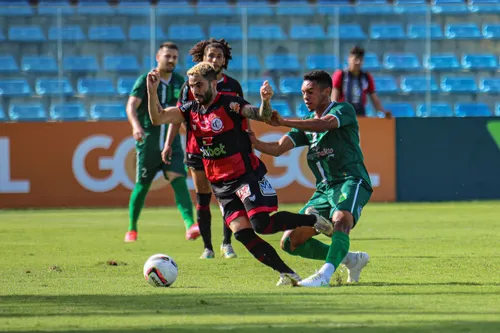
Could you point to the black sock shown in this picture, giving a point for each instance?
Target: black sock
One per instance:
(227, 234)
(281, 221)
(204, 218)
(261, 250)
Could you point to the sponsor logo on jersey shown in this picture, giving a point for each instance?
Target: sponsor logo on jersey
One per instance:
(213, 152)
(266, 188)
(244, 192)
(316, 152)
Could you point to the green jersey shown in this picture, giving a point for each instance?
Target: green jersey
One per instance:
(334, 156)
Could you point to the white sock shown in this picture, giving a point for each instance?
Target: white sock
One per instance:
(327, 270)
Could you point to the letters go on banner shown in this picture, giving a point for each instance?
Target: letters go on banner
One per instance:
(91, 164)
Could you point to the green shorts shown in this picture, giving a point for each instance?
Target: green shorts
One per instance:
(350, 196)
(149, 161)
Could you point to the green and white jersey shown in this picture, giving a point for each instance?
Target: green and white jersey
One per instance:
(334, 156)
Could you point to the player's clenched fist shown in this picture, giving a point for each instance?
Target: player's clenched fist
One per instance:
(266, 91)
(153, 79)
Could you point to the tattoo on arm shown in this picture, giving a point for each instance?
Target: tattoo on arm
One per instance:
(251, 112)
(159, 109)
(266, 111)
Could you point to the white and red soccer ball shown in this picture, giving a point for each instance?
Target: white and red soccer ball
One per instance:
(160, 270)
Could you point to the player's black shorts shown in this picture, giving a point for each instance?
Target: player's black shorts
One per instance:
(194, 161)
(250, 198)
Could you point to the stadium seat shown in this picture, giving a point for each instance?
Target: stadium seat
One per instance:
(53, 87)
(385, 85)
(188, 32)
(27, 112)
(464, 84)
(322, 61)
(252, 86)
(307, 32)
(462, 31)
(55, 7)
(437, 109)
(449, 7)
(489, 85)
(294, 8)
(28, 33)
(371, 62)
(126, 63)
(174, 8)
(21, 8)
(96, 87)
(291, 85)
(491, 31)
(282, 107)
(8, 64)
(421, 31)
(441, 62)
(346, 32)
(401, 62)
(39, 64)
(418, 84)
(301, 110)
(230, 32)
(253, 63)
(14, 88)
(480, 62)
(266, 32)
(69, 33)
(143, 33)
(344, 8)
(373, 7)
(94, 8)
(78, 64)
(125, 85)
(68, 111)
(106, 33)
(472, 110)
(3, 116)
(285, 62)
(134, 8)
(412, 7)
(214, 8)
(484, 6)
(387, 31)
(108, 111)
(400, 110)
(254, 8)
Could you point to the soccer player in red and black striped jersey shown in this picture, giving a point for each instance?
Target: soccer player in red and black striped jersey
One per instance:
(218, 53)
(236, 175)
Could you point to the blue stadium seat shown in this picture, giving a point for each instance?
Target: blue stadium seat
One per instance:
(441, 62)
(80, 64)
(462, 31)
(291, 85)
(463, 84)
(39, 64)
(322, 61)
(125, 85)
(344, 8)
(480, 62)
(285, 62)
(472, 110)
(14, 88)
(125, 63)
(253, 63)
(373, 7)
(437, 109)
(294, 8)
(282, 107)
(53, 87)
(491, 31)
(20, 8)
(489, 85)
(69, 33)
(174, 8)
(387, 31)
(143, 32)
(8, 64)
(484, 6)
(252, 86)
(420, 31)
(26, 33)
(371, 62)
(346, 32)
(55, 7)
(401, 61)
(95, 8)
(27, 112)
(411, 7)
(266, 32)
(3, 116)
(254, 8)
(301, 110)
(108, 111)
(307, 32)
(214, 8)
(148, 62)
(190, 32)
(418, 84)
(449, 7)
(400, 110)
(106, 33)
(385, 85)
(230, 32)
(68, 111)
(96, 87)
(134, 8)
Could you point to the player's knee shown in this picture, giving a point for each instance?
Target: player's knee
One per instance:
(260, 222)
(343, 221)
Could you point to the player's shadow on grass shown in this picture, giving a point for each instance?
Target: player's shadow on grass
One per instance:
(419, 284)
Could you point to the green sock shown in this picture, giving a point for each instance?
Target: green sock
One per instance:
(338, 249)
(311, 249)
(183, 200)
(136, 203)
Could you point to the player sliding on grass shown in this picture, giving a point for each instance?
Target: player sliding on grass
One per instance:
(343, 186)
(236, 175)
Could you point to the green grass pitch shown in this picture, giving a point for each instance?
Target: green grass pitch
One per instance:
(433, 268)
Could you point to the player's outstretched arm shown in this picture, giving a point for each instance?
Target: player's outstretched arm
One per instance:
(272, 148)
(158, 115)
(322, 124)
(265, 111)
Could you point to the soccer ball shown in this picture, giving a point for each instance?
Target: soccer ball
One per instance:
(160, 270)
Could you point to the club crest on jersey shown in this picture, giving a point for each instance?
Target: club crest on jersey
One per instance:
(244, 192)
(217, 124)
(266, 188)
(234, 107)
